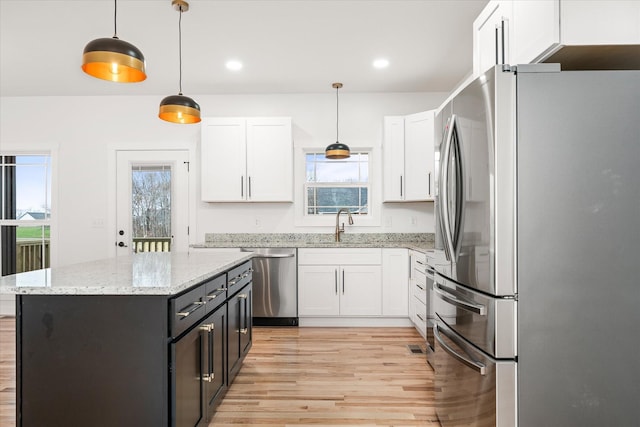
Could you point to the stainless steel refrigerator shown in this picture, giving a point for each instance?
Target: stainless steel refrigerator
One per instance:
(537, 285)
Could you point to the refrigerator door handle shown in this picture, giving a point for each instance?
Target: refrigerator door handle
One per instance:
(457, 149)
(475, 365)
(444, 189)
(471, 306)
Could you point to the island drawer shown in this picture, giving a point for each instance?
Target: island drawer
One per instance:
(187, 309)
(215, 292)
(238, 277)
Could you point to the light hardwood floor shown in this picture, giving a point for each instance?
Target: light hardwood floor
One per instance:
(305, 376)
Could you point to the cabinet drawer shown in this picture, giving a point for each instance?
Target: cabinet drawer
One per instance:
(418, 261)
(187, 309)
(215, 292)
(420, 287)
(238, 277)
(344, 256)
(421, 316)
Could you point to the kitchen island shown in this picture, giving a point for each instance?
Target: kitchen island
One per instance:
(150, 339)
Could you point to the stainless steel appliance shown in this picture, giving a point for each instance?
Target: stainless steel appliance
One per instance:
(275, 286)
(538, 240)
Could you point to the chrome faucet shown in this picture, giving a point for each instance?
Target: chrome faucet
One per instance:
(338, 229)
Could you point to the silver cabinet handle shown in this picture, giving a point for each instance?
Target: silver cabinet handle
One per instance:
(342, 281)
(196, 305)
(429, 184)
(243, 331)
(208, 378)
(476, 366)
(400, 185)
(249, 187)
(461, 303)
(242, 186)
(242, 296)
(420, 287)
(420, 317)
(420, 262)
(336, 279)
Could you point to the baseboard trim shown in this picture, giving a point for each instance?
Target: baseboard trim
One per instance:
(346, 322)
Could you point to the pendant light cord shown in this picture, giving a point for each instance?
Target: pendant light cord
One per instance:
(337, 114)
(115, 19)
(180, 49)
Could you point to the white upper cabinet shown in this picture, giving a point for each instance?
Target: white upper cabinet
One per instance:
(408, 162)
(247, 159)
(530, 31)
(540, 28)
(491, 36)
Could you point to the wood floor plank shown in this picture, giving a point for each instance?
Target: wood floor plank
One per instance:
(305, 377)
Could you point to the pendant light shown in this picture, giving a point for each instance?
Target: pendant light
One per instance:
(337, 150)
(179, 108)
(114, 59)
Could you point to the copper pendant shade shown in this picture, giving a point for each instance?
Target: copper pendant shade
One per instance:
(114, 59)
(179, 108)
(337, 150)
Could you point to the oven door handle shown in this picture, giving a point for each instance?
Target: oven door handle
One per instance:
(463, 304)
(475, 365)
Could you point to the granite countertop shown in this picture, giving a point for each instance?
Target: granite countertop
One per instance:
(422, 242)
(136, 274)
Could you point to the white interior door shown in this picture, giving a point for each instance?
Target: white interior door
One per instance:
(152, 201)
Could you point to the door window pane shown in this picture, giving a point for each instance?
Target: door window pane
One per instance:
(151, 208)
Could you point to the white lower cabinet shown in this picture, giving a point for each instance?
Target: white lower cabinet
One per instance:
(339, 282)
(418, 291)
(395, 276)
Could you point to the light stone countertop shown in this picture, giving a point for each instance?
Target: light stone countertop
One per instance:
(422, 242)
(136, 274)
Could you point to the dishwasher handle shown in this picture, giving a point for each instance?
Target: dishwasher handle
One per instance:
(274, 256)
(269, 255)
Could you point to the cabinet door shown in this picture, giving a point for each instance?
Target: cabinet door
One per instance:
(223, 160)
(360, 290)
(418, 156)
(393, 159)
(395, 279)
(215, 356)
(488, 49)
(234, 354)
(536, 29)
(269, 160)
(187, 383)
(318, 290)
(246, 319)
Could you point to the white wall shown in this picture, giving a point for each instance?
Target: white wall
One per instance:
(85, 131)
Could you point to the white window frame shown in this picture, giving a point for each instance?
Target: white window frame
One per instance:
(358, 184)
(372, 219)
(51, 222)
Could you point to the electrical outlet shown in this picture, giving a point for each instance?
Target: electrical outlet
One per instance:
(98, 223)
(387, 221)
(258, 223)
(414, 220)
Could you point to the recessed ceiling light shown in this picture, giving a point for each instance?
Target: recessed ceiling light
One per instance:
(234, 65)
(381, 63)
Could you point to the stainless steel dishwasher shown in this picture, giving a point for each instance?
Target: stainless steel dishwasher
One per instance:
(275, 286)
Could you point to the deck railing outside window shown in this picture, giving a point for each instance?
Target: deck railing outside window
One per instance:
(151, 244)
(29, 253)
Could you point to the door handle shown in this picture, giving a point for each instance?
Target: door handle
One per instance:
(475, 365)
(458, 302)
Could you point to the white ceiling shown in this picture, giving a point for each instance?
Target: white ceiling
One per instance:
(287, 46)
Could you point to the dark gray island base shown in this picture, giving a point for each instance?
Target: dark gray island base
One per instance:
(132, 360)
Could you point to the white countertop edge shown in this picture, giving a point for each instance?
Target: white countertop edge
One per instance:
(192, 269)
